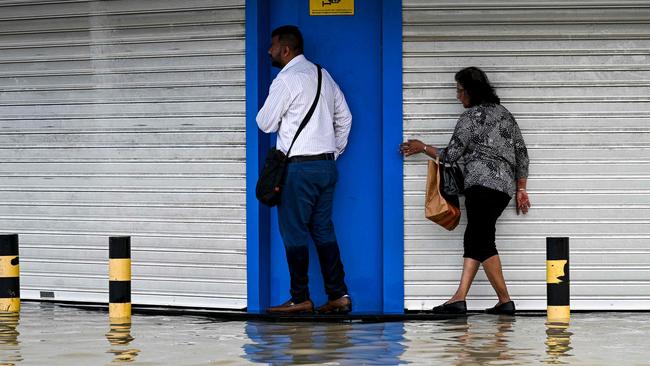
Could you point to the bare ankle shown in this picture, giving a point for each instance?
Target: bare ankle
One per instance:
(455, 299)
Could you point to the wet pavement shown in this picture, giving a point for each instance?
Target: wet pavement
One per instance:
(48, 334)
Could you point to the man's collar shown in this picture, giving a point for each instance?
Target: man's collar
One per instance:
(293, 61)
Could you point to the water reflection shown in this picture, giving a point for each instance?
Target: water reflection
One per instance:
(478, 344)
(320, 343)
(558, 342)
(9, 343)
(119, 336)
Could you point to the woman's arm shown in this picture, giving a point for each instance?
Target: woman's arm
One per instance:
(521, 170)
(522, 204)
(412, 147)
(521, 153)
(457, 145)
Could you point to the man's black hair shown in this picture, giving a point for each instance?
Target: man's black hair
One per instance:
(289, 35)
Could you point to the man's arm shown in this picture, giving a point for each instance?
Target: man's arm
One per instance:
(342, 121)
(276, 105)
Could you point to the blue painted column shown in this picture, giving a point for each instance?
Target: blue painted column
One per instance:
(257, 143)
(392, 163)
(363, 54)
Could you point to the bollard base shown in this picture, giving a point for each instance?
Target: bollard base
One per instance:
(120, 322)
(10, 305)
(558, 314)
(119, 311)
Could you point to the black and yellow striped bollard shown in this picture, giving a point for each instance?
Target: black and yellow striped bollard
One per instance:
(9, 274)
(119, 286)
(557, 280)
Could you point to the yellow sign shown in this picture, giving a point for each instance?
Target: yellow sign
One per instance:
(331, 7)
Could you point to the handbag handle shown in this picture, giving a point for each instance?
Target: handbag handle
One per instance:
(310, 112)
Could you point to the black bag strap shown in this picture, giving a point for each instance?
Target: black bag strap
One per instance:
(311, 110)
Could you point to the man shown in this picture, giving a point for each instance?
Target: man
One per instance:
(305, 209)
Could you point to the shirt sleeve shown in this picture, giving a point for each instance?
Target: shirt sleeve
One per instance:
(276, 105)
(342, 121)
(459, 140)
(521, 154)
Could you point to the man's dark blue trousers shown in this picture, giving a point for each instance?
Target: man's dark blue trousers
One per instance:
(305, 211)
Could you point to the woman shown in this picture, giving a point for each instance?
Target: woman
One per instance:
(489, 141)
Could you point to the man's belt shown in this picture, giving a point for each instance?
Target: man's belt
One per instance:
(301, 158)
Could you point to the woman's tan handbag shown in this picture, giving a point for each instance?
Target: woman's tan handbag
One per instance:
(436, 208)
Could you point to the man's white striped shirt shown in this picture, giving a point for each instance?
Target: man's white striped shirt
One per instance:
(290, 97)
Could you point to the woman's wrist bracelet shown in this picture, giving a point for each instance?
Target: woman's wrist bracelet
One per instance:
(521, 189)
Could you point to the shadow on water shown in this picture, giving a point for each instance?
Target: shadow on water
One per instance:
(558, 343)
(9, 343)
(119, 337)
(320, 343)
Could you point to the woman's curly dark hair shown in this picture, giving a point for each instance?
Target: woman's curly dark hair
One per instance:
(477, 86)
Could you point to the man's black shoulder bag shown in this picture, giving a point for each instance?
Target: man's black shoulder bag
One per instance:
(271, 180)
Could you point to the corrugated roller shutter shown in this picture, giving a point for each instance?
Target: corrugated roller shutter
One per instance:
(125, 118)
(576, 75)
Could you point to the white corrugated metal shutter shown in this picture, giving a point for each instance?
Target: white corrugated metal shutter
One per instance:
(125, 118)
(576, 75)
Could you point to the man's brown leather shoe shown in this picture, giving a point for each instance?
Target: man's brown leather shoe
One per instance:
(342, 305)
(290, 308)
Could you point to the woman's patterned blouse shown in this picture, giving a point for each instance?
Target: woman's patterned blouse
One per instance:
(489, 141)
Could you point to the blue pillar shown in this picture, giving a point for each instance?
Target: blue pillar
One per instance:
(257, 216)
(363, 54)
(392, 166)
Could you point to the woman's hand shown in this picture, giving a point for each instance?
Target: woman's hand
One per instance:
(412, 147)
(523, 204)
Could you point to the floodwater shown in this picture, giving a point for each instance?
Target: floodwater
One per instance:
(48, 334)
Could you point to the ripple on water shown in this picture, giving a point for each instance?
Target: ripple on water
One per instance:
(47, 334)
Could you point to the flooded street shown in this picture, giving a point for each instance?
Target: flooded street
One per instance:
(48, 334)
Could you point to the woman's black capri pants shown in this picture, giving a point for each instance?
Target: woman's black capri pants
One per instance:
(484, 206)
